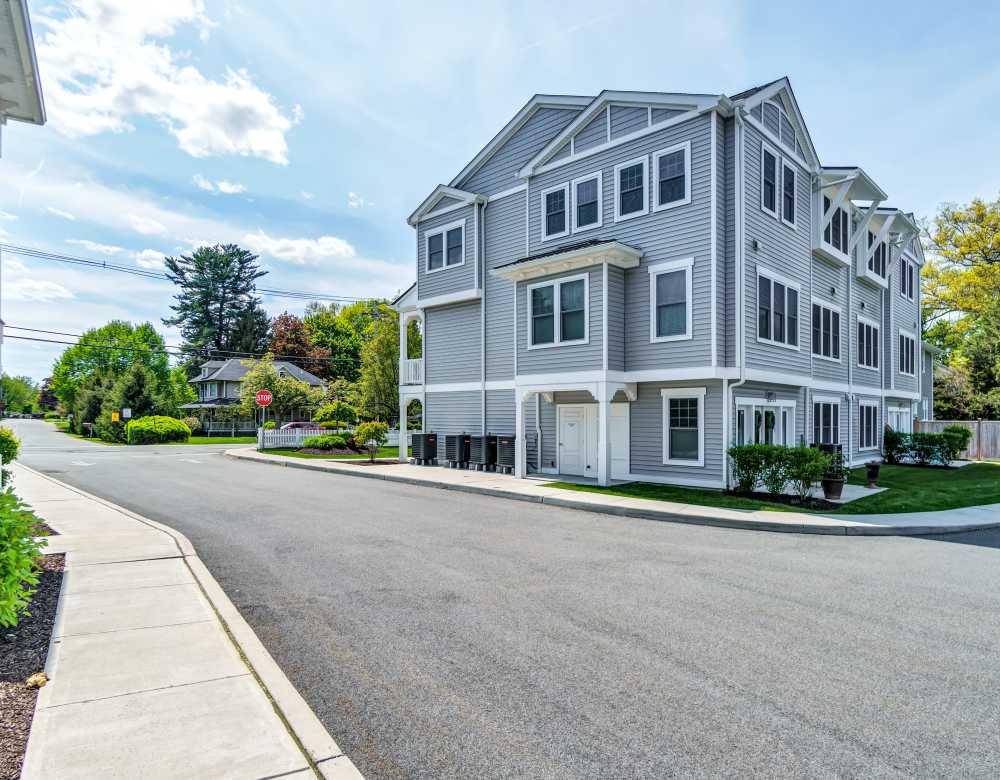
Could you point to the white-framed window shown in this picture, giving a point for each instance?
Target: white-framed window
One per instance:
(777, 309)
(837, 233)
(588, 202)
(769, 163)
(868, 343)
(683, 426)
(631, 189)
(445, 246)
(826, 420)
(789, 190)
(213, 390)
(776, 120)
(672, 175)
(907, 353)
(559, 312)
(868, 425)
(765, 422)
(825, 330)
(670, 300)
(907, 278)
(879, 259)
(555, 212)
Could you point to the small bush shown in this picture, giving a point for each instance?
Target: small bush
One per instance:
(156, 429)
(896, 445)
(270, 425)
(339, 413)
(930, 448)
(193, 424)
(372, 435)
(326, 441)
(52, 416)
(748, 462)
(10, 445)
(804, 467)
(957, 438)
(19, 551)
(775, 470)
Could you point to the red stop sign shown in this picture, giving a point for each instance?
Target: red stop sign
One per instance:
(264, 398)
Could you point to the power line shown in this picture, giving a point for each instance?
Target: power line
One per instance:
(147, 273)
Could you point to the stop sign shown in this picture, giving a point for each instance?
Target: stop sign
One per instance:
(263, 398)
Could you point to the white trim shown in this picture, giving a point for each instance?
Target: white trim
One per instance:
(681, 147)
(557, 285)
(747, 400)
(713, 200)
(668, 393)
(604, 316)
(454, 387)
(682, 481)
(759, 126)
(507, 193)
(564, 188)
(832, 308)
(443, 231)
(612, 252)
(795, 195)
(444, 300)
(827, 399)
(774, 276)
(426, 209)
(684, 264)
(798, 122)
(765, 146)
(599, 175)
(644, 161)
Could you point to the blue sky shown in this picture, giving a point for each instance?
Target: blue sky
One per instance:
(308, 131)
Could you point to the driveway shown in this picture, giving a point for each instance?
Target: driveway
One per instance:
(439, 634)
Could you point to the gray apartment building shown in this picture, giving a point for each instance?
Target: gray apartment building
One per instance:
(632, 282)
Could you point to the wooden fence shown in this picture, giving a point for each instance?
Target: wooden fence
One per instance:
(985, 442)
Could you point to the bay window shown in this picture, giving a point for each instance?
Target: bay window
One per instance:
(559, 312)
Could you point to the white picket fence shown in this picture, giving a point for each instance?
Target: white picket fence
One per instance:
(275, 439)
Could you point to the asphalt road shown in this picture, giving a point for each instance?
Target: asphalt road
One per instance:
(439, 634)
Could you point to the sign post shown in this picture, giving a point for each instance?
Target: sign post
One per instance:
(263, 399)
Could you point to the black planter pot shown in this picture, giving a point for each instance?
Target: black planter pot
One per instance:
(872, 469)
(833, 488)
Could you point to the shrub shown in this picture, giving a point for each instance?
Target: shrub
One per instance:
(804, 467)
(193, 424)
(270, 425)
(957, 438)
(748, 461)
(896, 445)
(326, 441)
(928, 448)
(10, 445)
(52, 416)
(156, 429)
(19, 551)
(339, 413)
(774, 474)
(372, 435)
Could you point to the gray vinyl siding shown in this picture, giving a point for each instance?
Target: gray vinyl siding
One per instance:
(827, 276)
(444, 203)
(530, 434)
(499, 173)
(870, 295)
(459, 412)
(448, 280)
(616, 319)
(571, 357)
(627, 119)
(760, 390)
(727, 243)
(451, 344)
(504, 243)
(592, 134)
(783, 250)
(500, 411)
(646, 424)
(562, 151)
(663, 114)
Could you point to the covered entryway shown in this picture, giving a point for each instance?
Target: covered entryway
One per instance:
(577, 439)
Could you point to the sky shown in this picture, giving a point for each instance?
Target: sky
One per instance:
(308, 131)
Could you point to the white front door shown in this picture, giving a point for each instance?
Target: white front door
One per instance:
(577, 440)
(618, 424)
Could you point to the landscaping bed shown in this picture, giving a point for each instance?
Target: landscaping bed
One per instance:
(23, 651)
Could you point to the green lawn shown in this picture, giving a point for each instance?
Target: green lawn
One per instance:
(910, 489)
(63, 425)
(384, 452)
(219, 440)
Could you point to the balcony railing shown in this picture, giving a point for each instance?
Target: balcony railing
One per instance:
(411, 372)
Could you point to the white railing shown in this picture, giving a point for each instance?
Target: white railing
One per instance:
(273, 439)
(411, 371)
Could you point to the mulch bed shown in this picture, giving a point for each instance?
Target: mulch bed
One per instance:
(810, 503)
(377, 462)
(44, 529)
(23, 650)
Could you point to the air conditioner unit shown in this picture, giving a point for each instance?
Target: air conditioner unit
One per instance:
(483, 453)
(456, 450)
(505, 453)
(425, 448)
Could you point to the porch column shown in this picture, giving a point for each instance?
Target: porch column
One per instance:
(404, 402)
(520, 445)
(603, 435)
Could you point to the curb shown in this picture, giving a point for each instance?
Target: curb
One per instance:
(320, 751)
(620, 511)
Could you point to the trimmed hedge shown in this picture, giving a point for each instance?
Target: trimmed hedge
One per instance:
(326, 441)
(775, 466)
(19, 552)
(156, 429)
(926, 448)
(52, 416)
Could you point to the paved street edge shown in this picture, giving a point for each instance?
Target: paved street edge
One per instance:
(707, 519)
(318, 747)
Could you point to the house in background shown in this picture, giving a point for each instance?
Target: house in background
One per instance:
(633, 282)
(218, 386)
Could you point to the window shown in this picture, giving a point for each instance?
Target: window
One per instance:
(878, 261)
(777, 122)
(777, 311)
(868, 426)
(631, 189)
(867, 344)
(907, 353)
(788, 190)
(587, 208)
(555, 212)
(765, 422)
(670, 300)
(684, 426)
(446, 247)
(837, 233)
(825, 331)
(569, 299)
(673, 185)
(907, 278)
(826, 422)
(769, 181)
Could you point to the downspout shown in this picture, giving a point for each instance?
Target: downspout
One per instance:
(481, 283)
(852, 332)
(538, 432)
(740, 288)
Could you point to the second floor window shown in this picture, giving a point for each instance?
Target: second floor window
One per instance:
(777, 312)
(837, 232)
(670, 300)
(907, 353)
(672, 182)
(587, 202)
(867, 344)
(878, 261)
(907, 279)
(555, 207)
(558, 312)
(446, 247)
(631, 199)
(825, 331)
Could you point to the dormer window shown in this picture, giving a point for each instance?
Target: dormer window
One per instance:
(446, 246)
(878, 261)
(837, 234)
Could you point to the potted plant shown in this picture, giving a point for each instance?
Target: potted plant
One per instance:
(872, 468)
(834, 477)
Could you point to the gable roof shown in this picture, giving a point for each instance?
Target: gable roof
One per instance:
(751, 97)
(442, 191)
(20, 85)
(750, 92)
(234, 369)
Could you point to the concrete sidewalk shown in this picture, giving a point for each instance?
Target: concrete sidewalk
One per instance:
(505, 486)
(152, 671)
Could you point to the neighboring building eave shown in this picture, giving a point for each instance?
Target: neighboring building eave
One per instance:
(25, 85)
(592, 253)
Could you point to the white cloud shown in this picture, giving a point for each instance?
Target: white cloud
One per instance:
(203, 183)
(223, 186)
(149, 258)
(146, 225)
(107, 62)
(61, 213)
(37, 290)
(356, 201)
(6, 216)
(300, 251)
(306, 195)
(93, 246)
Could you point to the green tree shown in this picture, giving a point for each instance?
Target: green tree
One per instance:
(339, 413)
(216, 306)
(379, 385)
(20, 393)
(136, 389)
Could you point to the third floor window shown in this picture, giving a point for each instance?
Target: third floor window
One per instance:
(837, 232)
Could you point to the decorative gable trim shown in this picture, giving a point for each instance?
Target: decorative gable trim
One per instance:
(462, 197)
(782, 91)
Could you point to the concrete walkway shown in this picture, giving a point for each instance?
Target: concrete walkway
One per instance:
(152, 671)
(505, 486)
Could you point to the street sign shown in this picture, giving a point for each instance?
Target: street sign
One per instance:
(114, 417)
(264, 398)
(126, 413)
